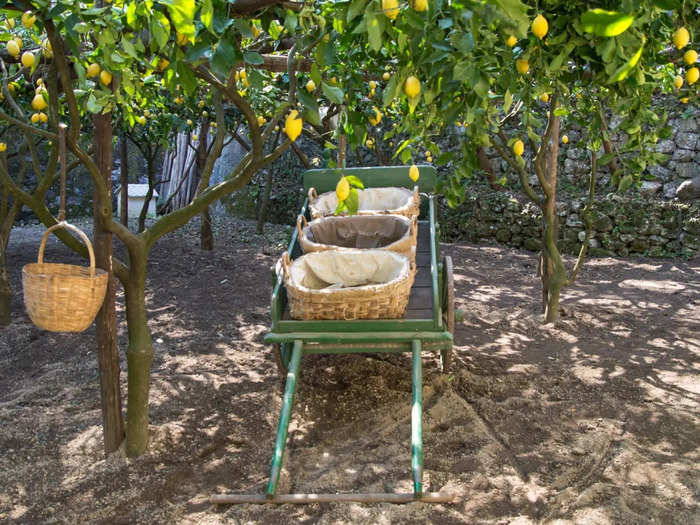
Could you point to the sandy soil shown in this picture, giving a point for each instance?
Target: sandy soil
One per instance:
(594, 420)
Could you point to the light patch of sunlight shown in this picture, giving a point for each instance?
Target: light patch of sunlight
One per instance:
(416, 412)
(590, 375)
(351, 471)
(652, 286)
(617, 372)
(691, 383)
(18, 511)
(524, 368)
(597, 516)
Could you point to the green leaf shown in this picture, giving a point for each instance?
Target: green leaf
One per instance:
(355, 9)
(507, 101)
(606, 159)
(92, 105)
(186, 78)
(625, 69)
(375, 28)
(625, 183)
(334, 94)
(160, 35)
(480, 84)
(354, 181)
(462, 71)
(206, 15)
(251, 57)
(342, 207)
(315, 74)
(606, 23)
(182, 15)
(224, 58)
(353, 202)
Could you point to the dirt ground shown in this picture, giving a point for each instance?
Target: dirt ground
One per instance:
(594, 420)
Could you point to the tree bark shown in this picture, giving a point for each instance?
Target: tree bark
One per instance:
(485, 164)
(124, 173)
(106, 321)
(139, 356)
(262, 215)
(206, 234)
(151, 174)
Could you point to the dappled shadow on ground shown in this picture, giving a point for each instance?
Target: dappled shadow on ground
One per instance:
(592, 420)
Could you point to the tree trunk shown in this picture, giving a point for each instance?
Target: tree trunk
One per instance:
(206, 234)
(106, 321)
(150, 170)
(485, 165)
(262, 215)
(139, 355)
(124, 173)
(5, 287)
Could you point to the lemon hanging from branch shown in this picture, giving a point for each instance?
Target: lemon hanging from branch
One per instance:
(390, 8)
(511, 41)
(690, 57)
(540, 26)
(411, 87)
(342, 189)
(692, 75)
(377, 116)
(293, 125)
(678, 81)
(38, 102)
(518, 147)
(681, 38)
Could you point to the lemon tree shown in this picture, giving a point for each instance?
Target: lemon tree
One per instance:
(513, 74)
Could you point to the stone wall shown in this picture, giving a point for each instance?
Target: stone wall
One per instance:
(660, 181)
(623, 225)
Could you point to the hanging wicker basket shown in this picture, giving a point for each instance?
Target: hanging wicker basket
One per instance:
(372, 201)
(347, 284)
(387, 232)
(63, 297)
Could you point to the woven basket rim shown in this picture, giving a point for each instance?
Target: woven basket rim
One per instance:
(316, 213)
(31, 269)
(354, 290)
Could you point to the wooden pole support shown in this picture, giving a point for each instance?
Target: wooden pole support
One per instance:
(390, 497)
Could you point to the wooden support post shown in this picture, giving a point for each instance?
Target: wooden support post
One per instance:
(417, 420)
(285, 415)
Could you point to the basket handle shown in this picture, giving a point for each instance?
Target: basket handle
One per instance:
(68, 226)
(414, 225)
(312, 195)
(286, 262)
(301, 223)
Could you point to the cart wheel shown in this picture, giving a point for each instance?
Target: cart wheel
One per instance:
(448, 309)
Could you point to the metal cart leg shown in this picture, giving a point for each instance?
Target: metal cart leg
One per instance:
(417, 420)
(283, 426)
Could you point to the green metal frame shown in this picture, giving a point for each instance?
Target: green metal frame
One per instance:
(296, 338)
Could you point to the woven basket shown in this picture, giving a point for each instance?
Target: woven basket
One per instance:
(373, 201)
(387, 232)
(312, 297)
(63, 297)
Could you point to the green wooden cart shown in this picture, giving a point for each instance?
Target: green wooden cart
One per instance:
(427, 325)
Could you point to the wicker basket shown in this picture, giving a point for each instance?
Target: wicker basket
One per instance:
(373, 201)
(315, 288)
(387, 232)
(63, 297)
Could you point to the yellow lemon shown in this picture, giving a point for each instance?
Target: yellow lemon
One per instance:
(28, 19)
(92, 70)
(11, 87)
(201, 103)
(372, 84)
(261, 120)
(565, 139)
(692, 75)
(3, 146)
(411, 87)
(27, 59)
(690, 57)
(518, 147)
(181, 39)
(256, 31)
(377, 116)
(310, 86)
(147, 113)
(372, 92)
(195, 137)
(12, 48)
(205, 114)
(10, 23)
(162, 63)
(522, 65)
(681, 38)
(293, 125)
(342, 189)
(544, 97)
(142, 120)
(390, 8)
(678, 81)
(684, 100)
(540, 27)
(179, 100)
(189, 122)
(420, 5)
(105, 77)
(386, 75)
(43, 117)
(511, 41)
(38, 102)
(35, 118)
(413, 173)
